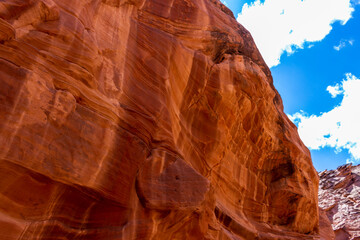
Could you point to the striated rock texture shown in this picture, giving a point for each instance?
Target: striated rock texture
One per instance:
(134, 119)
(339, 196)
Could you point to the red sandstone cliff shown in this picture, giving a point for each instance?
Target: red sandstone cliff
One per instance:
(144, 119)
(339, 196)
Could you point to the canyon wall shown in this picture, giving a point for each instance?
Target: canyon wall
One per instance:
(339, 197)
(144, 119)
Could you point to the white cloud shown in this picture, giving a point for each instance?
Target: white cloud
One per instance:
(343, 44)
(286, 25)
(335, 90)
(338, 128)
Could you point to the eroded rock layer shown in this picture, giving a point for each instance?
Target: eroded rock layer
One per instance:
(144, 119)
(339, 196)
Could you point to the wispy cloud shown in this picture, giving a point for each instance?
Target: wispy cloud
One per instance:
(335, 90)
(338, 128)
(343, 43)
(286, 25)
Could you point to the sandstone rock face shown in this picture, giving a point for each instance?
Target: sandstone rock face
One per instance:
(339, 196)
(144, 119)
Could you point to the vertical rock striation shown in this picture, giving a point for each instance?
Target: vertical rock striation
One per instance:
(339, 197)
(144, 119)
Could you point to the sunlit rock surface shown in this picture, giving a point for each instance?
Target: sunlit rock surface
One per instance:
(339, 196)
(134, 119)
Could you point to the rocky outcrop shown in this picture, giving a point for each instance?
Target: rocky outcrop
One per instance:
(339, 196)
(134, 119)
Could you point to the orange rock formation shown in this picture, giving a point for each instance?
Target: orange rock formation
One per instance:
(144, 119)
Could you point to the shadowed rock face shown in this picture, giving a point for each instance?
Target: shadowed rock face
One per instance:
(134, 119)
(339, 196)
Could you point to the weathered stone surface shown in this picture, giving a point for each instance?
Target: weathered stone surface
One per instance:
(339, 196)
(326, 231)
(140, 119)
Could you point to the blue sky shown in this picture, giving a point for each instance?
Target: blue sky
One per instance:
(313, 49)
